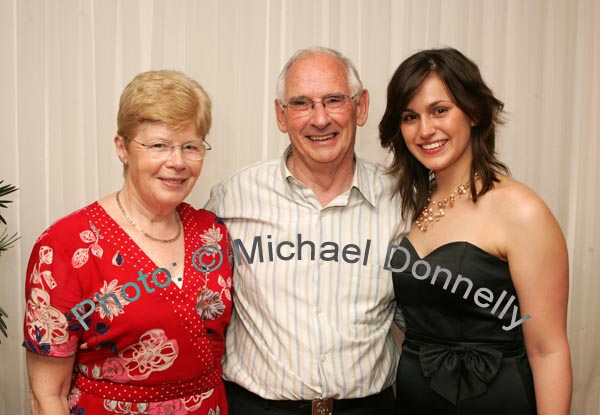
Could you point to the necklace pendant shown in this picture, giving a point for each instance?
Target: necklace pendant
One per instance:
(429, 216)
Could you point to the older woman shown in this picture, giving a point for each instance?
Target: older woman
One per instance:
(482, 277)
(128, 299)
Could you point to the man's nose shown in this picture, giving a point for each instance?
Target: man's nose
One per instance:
(319, 114)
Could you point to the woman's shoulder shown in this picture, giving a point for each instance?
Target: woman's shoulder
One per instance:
(187, 209)
(516, 202)
(211, 228)
(200, 215)
(71, 224)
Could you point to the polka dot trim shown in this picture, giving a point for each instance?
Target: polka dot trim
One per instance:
(142, 393)
(180, 300)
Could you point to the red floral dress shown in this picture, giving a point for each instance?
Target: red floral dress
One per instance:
(142, 344)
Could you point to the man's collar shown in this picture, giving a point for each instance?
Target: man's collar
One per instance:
(284, 168)
(361, 181)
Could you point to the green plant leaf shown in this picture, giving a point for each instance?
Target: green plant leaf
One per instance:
(7, 241)
(3, 326)
(5, 190)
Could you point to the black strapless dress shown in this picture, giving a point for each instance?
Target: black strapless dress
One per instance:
(457, 358)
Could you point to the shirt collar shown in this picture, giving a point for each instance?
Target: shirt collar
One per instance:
(362, 182)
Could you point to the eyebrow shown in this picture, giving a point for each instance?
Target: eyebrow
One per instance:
(321, 97)
(430, 105)
(170, 139)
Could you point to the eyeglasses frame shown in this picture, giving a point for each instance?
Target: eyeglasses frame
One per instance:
(320, 101)
(172, 147)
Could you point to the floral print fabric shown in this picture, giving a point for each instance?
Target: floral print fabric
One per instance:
(142, 344)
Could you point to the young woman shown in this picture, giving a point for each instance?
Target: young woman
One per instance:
(482, 276)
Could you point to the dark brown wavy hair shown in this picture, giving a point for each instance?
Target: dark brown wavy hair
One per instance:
(470, 93)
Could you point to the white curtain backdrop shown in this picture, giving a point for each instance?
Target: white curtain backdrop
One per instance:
(65, 62)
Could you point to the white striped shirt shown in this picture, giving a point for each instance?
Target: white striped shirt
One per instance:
(308, 327)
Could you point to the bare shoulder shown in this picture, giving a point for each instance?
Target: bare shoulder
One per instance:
(524, 221)
(516, 203)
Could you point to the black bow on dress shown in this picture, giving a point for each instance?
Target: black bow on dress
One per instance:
(467, 369)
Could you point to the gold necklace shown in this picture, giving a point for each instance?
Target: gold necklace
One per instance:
(428, 217)
(137, 228)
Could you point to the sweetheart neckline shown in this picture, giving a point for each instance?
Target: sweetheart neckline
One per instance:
(412, 247)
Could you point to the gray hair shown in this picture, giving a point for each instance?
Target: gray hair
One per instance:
(354, 82)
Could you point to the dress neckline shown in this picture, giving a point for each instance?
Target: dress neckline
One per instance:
(448, 245)
(154, 266)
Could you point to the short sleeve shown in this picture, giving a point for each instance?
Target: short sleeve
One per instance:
(221, 284)
(52, 289)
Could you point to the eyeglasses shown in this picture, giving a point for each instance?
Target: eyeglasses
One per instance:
(334, 103)
(191, 151)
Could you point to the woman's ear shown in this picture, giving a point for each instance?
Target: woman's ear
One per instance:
(121, 149)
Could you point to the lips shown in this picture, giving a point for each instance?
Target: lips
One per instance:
(433, 145)
(321, 137)
(173, 181)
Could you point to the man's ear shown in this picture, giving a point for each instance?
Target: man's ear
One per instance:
(121, 149)
(362, 108)
(280, 115)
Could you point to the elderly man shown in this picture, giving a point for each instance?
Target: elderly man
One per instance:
(313, 304)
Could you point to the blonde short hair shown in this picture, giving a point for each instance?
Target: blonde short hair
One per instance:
(164, 96)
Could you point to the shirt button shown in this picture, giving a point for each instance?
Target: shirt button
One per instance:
(323, 358)
(319, 310)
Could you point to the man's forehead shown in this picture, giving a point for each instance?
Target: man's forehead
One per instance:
(316, 74)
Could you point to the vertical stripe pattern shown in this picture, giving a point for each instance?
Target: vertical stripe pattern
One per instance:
(313, 302)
